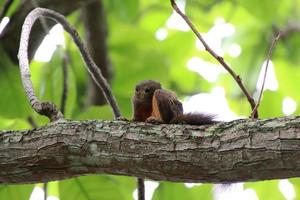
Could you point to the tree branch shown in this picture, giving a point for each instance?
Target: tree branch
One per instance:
(275, 39)
(220, 59)
(10, 37)
(241, 150)
(46, 108)
(63, 100)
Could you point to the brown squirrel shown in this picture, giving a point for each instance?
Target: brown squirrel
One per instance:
(153, 104)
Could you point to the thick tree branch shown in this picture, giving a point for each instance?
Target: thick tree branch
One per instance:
(241, 150)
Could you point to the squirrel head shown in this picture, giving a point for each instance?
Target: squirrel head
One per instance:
(144, 90)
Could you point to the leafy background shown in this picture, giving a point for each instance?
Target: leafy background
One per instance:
(136, 54)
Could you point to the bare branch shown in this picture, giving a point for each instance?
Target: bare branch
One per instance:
(10, 37)
(32, 122)
(45, 188)
(141, 188)
(43, 21)
(265, 74)
(216, 56)
(64, 95)
(46, 108)
(241, 150)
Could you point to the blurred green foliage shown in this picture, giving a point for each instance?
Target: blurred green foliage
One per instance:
(20, 192)
(97, 187)
(178, 191)
(261, 187)
(136, 55)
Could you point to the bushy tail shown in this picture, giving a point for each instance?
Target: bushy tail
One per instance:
(194, 119)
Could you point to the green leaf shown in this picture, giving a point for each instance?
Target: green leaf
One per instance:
(19, 192)
(288, 77)
(153, 18)
(12, 8)
(53, 188)
(96, 112)
(205, 191)
(267, 190)
(48, 80)
(14, 124)
(174, 191)
(267, 11)
(271, 105)
(124, 10)
(239, 105)
(13, 101)
(97, 187)
(296, 184)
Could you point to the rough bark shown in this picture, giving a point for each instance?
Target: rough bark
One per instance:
(241, 150)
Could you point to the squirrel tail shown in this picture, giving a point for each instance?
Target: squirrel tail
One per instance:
(193, 119)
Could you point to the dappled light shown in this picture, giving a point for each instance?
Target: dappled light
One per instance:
(207, 70)
(287, 189)
(271, 81)
(50, 42)
(175, 21)
(3, 24)
(161, 34)
(289, 106)
(202, 103)
(234, 50)
(216, 34)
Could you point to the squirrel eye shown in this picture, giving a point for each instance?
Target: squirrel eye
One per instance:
(147, 90)
(136, 89)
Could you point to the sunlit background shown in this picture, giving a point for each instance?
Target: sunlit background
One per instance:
(201, 102)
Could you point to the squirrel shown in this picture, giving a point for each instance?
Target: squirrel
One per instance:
(152, 104)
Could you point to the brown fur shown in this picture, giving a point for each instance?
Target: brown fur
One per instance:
(155, 105)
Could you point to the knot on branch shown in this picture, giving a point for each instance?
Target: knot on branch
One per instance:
(49, 109)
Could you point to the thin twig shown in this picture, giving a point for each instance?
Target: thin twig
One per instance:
(65, 83)
(32, 122)
(47, 108)
(265, 74)
(42, 20)
(141, 188)
(45, 188)
(216, 56)
(5, 9)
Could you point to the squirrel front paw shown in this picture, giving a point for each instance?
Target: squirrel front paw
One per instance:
(153, 120)
(121, 118)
